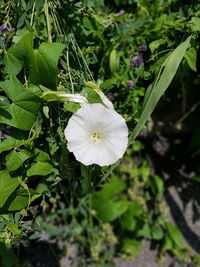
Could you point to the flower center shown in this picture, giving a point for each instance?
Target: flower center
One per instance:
(95, 138)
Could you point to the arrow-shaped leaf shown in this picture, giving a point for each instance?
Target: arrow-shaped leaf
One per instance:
(43, 64)
(22, 112)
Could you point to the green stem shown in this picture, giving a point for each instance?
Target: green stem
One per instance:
(32, 14)
(111, 169)
(46, 11)
(70, 77)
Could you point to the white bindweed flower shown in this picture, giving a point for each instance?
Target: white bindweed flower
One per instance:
(97, 135)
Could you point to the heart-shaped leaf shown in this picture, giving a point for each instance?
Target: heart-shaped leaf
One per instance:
(16, 55)
(22, 112)
(43, 64)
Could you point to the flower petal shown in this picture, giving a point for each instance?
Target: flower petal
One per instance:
(112, 129)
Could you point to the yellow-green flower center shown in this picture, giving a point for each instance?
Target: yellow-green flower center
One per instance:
(95, 137)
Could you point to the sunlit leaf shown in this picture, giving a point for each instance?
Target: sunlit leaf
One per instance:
(22, 111)
(43, 64)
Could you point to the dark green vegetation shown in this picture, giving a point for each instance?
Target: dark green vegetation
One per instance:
(133, 50)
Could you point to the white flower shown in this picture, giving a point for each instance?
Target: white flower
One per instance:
(97, 135)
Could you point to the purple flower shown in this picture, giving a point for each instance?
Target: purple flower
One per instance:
(143, 47)
(3, 39)
(3, 27)
(144, 133)
(2, 136)
(120, 13)
(133, 54)
(130, 84)
(139, 59)
(118, 48)
(123, 162)
(6, 130)
(102, 8)
(111, 96)
(115, 23)
(107, 21)
(133, 63)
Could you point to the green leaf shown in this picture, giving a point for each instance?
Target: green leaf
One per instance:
(20, 34)
(195, 24)
(175, 235)
(16, 55)
(135, 208)
(19, 199)
(22, 112)
(196, 178)
(111, 188)
(43, 166)
(191, 57)
(7, 256)
(92, 96)
(144, 231)
(40, 168)
(107, 209)
(167, 244)
(16, 158)
(107, 83)
(43, 64)
(157, 185)
(71, 107)
(41, 155)
(155, 44)
(127, 221)
(161, 83)
(41, 187)
(156, 231)
(13, 139)
(13, 227)
(114, 61)
(13, 65)
(156, 66)
(152, 231)
(131, 247)
(7, 186)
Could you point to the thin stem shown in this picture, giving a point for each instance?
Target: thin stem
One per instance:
(32, 14)
(46, 11)
(161, 52)
(85, 63)
(193, 108)
(111, 169)
(70, 77)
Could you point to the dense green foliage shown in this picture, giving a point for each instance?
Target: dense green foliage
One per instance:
(131, 50)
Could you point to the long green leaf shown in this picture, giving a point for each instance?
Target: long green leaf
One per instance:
(158, 88)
